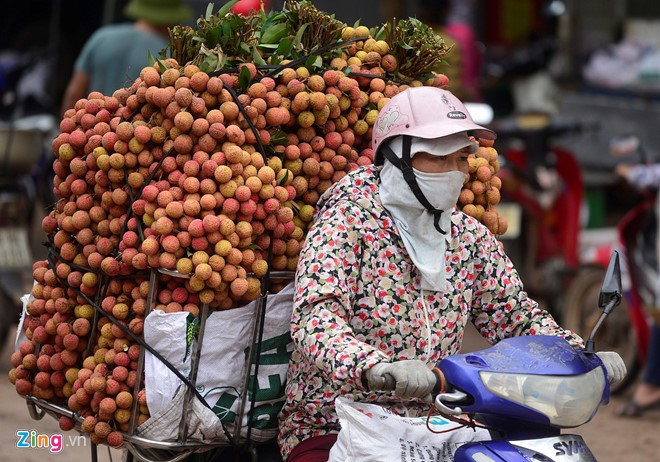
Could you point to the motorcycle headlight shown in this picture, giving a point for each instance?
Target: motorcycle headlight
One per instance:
(567, 401)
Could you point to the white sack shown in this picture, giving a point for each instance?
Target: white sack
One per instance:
(164, 426)
(371, 433)
(223, 360)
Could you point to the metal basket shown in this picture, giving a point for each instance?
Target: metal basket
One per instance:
(150, 450)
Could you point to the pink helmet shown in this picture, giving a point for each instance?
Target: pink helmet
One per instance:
(424, 112)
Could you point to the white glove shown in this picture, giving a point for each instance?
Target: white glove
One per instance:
(614, 365)
(412, 378)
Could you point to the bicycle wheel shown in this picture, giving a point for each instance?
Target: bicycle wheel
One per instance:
(581, 312)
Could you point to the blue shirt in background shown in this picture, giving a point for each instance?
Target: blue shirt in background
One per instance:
(114, 56)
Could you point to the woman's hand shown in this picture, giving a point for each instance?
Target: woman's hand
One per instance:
(614, 365)
(408, 378)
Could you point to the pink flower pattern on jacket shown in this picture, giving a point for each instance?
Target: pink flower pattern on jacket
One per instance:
(358, 302)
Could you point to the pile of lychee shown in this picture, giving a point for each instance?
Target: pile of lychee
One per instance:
(207, 182)
(481, 192)
(84, 362)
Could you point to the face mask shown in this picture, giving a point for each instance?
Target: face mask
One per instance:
(417, 226)
(441, 189)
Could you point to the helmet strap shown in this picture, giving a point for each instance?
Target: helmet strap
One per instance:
(404, 163)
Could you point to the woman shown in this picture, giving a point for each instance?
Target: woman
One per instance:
(391, 273)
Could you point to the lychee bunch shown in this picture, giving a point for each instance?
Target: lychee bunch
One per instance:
(481, 192)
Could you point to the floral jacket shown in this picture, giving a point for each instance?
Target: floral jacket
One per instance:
(358, 302)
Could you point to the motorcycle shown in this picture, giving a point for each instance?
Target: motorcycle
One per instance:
(627, 331)
(525, 390)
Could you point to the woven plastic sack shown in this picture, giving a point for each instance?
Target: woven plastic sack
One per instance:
(372, 433)
(222, 362)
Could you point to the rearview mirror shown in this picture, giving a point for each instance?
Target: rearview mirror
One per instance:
(609, 298)
(610, 293)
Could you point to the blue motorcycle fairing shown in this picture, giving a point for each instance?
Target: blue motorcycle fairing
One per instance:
(531, 354)
(488, 451)
(538, 355)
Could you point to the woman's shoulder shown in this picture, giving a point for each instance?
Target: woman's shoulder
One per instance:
(463, 223)
(359, 186)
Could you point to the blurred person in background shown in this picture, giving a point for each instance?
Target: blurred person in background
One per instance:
(531, 67)
(465, 58)
(646, 396)
(115, 54)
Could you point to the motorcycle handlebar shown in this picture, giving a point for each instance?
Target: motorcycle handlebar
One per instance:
(389, 383)
(441, 394)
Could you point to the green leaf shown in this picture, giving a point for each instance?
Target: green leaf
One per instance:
(298, 37)
(381, 34)
(222, 12)
(215, 35)
(209, 64)
(272, 19)
(244, 78)
(226, 34)
(284, 47)
(284, 178)
(256, 57)
(274, 34)
(268, 46)
(161, 66)
(192, 329)
(278, 137)
(425, 76)
(291, 16)
(252, 247)
(209, 11)
(357, 24)
(313, 62)
(245, 47)
(151, 60)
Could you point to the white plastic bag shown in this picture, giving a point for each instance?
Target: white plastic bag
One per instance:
(371, 433)
(20, 332)
(222, 361)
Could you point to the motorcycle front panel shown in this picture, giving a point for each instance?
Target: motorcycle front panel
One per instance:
(565, 448)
